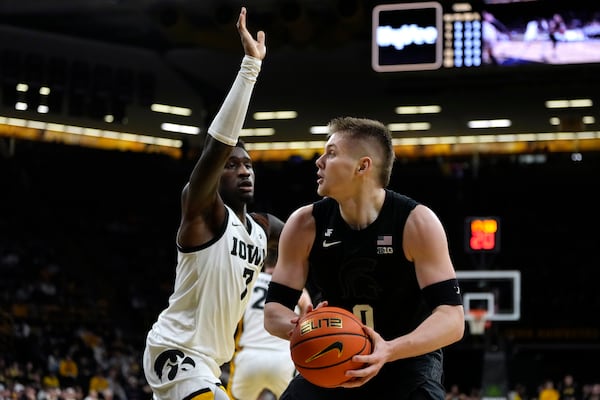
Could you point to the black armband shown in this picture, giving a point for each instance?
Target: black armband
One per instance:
(283, 294)
(445, 292)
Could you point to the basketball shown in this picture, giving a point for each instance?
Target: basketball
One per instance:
(323, 343)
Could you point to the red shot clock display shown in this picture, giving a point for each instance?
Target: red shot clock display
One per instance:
(482, 234)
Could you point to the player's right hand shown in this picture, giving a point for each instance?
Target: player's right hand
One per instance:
(324, 303)
(309, 308)
(254, 48)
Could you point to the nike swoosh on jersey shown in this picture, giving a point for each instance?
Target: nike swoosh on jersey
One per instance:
(339, 346)
(329, 244)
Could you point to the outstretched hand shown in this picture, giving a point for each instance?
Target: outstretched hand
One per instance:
(254, 48)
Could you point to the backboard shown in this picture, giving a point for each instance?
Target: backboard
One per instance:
(498, 292)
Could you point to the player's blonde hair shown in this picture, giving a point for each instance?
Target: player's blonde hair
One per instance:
(372, 131)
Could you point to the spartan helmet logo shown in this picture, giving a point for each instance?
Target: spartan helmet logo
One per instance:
(170, 360)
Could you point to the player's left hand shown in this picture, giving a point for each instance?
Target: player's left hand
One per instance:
(373, 362)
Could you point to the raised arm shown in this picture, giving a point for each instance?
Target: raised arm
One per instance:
(203, 210)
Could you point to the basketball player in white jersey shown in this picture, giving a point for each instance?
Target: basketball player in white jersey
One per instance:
(262, 366)
(221, 250)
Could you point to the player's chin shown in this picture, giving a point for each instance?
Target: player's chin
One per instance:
(247, 197)
(322, 190)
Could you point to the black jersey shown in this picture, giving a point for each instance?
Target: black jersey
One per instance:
(365, 271)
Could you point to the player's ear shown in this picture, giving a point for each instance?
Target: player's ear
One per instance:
(363, 164)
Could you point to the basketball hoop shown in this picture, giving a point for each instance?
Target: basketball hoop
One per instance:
(477, 321)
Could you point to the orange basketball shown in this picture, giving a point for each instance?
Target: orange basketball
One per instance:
(323, 343)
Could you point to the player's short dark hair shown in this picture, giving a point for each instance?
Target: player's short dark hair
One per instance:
(240, 143)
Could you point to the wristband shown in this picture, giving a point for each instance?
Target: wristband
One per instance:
(283, 294)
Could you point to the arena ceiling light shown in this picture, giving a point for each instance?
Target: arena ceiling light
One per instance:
(270, 115)
(574, 103)
(489, 123)
(257, 132)
(411, 110)
(166, 109)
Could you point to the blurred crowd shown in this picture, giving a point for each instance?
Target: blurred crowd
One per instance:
(565, 388)
(87, 253)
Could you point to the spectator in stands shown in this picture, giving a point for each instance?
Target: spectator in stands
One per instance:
(50, 380)
(568, 388)
(548, 391)
(98, 382)
(593, 392)
(68, 371)
(455, 393)
(518, 393)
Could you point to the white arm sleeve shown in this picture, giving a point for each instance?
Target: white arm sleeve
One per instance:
(227, 125)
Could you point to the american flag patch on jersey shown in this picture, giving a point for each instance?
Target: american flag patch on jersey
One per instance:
(385, 240)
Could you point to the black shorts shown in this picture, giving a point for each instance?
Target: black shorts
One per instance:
(418, 378)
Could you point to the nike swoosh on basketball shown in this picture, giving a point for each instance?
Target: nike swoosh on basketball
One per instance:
(328, 244)
(339, 346)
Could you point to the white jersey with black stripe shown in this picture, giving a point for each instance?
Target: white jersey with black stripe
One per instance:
(213, 284)
(251, 330)
(262, 361)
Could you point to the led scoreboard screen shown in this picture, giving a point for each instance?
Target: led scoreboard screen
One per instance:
(484, 33)
(406, 37)
(420, 36)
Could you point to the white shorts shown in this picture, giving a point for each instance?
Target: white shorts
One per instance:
(193, 389)
(175, 375)
(253, 370)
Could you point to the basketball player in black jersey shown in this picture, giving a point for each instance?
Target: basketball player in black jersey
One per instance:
(377, 253)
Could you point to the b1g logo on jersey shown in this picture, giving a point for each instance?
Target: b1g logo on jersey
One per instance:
(384, 244)
(248, 252)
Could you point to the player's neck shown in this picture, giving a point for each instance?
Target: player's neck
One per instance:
(240, 212)
(361, 210)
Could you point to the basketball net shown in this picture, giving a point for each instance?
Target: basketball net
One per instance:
(477, 321)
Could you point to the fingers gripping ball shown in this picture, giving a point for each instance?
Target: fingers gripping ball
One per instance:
(323, 343)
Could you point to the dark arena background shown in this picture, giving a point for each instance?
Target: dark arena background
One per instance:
(104, 111)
